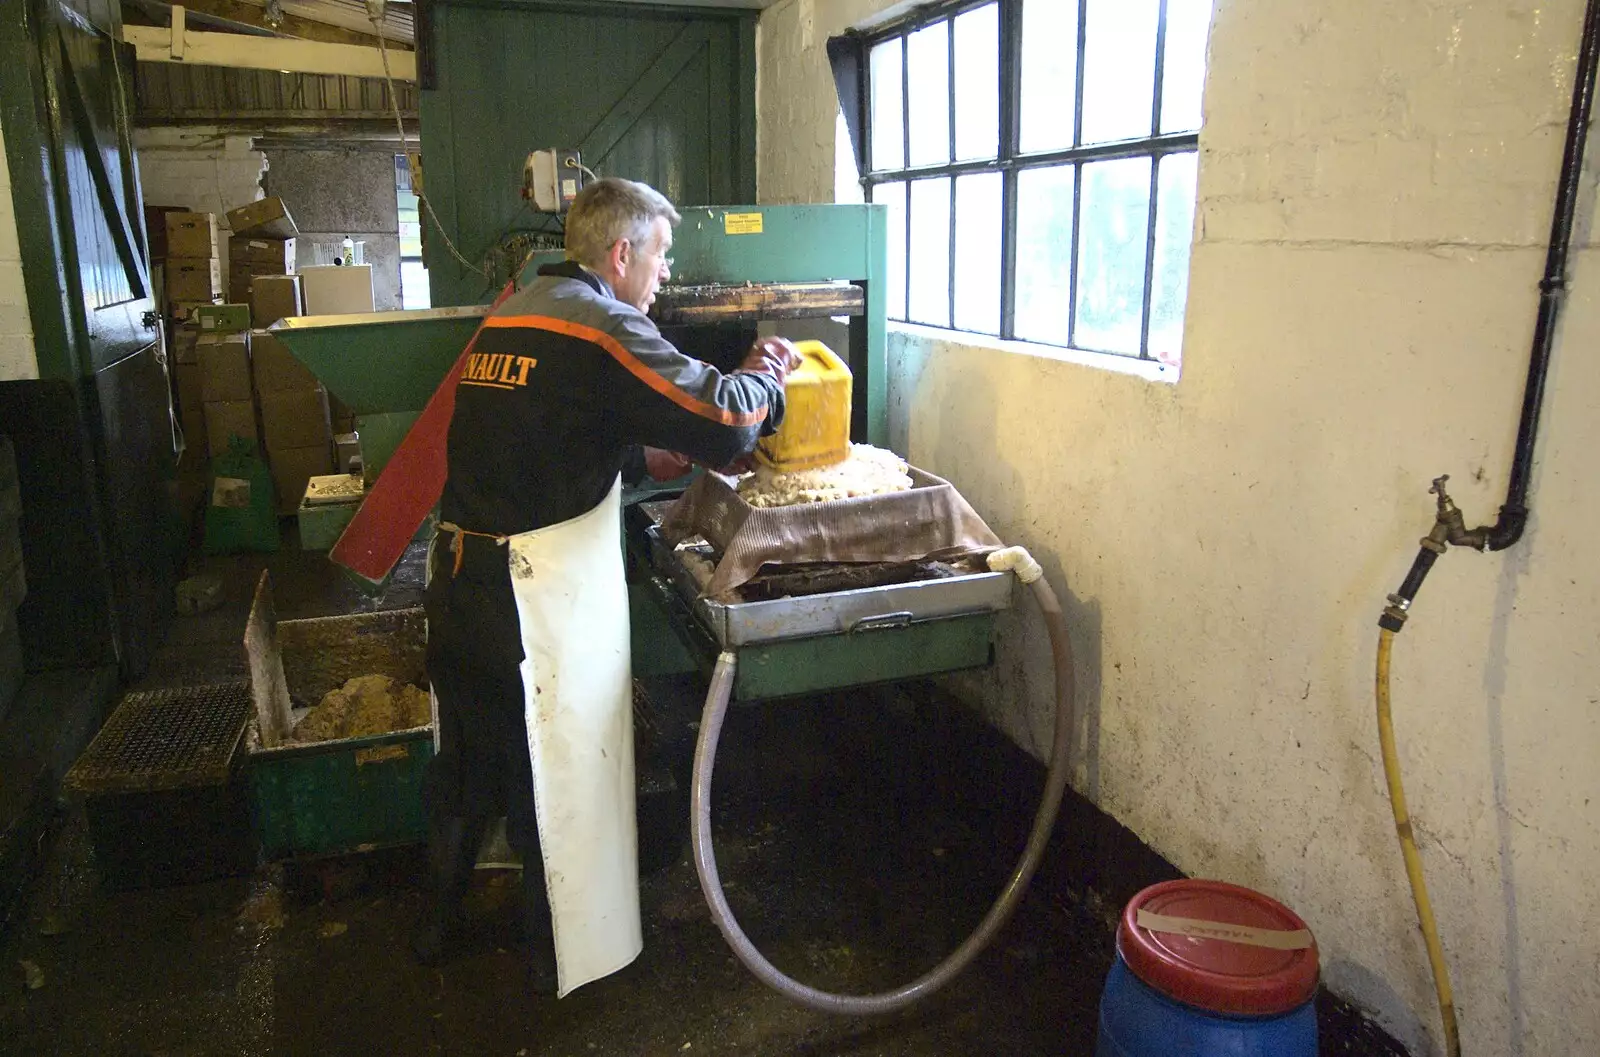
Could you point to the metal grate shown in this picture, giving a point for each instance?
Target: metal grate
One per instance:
(165, 739)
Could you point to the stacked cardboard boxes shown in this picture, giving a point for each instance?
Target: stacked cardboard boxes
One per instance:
(13, 582)
(192, 273)
(294, 419)
(263, 244)
(225, 391)
(186, 386)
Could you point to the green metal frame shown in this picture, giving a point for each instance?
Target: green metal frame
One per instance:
(798, 244)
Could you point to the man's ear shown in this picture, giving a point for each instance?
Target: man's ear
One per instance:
(621, 255)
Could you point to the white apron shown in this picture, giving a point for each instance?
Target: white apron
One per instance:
(572, 606)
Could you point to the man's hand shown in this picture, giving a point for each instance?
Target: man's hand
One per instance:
(665, 465)
(771, 356)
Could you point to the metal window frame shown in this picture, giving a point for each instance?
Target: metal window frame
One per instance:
(1010, 160)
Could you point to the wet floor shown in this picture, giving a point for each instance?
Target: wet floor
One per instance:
(861, 836)
(844, 857)
(311, 961)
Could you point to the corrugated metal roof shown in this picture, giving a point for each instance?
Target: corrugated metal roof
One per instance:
(171, 92)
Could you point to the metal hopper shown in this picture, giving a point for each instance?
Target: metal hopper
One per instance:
(382, 365)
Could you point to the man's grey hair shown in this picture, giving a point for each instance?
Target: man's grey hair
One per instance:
(610, 209)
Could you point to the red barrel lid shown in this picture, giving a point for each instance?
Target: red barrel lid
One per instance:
(1199, 967)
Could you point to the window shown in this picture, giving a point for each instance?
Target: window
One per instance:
(413, 276)
(1038, 158)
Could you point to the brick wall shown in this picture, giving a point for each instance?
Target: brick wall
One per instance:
(202, 169)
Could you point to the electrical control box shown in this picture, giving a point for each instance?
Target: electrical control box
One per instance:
(551, 179)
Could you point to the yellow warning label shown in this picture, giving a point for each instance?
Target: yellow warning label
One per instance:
(741, 223)
(380, 754)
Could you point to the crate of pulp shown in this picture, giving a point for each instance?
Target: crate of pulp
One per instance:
(342, 730)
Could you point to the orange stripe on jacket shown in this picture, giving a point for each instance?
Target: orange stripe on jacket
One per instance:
(633, 365)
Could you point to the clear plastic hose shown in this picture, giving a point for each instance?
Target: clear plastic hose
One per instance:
(705, 859)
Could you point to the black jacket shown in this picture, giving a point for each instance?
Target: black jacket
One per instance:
(564, 379)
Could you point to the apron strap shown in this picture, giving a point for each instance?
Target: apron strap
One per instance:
(459, 535)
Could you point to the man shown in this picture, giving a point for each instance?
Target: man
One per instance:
(527, 617)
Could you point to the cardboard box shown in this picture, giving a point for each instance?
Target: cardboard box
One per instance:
(240, 282)
(344, 420)
(192, 235)
(276, 369)
(275, 297)
(230, 318)
(292, 468)
(271, 256)
(196, 447)
(191, 279)
(155, 226)
(183, 344)
(296, 418)
(268, 218)
(225, 367)
(191, 393)
(183, 311)
(337, 290)
(230, 418)
(347, 453)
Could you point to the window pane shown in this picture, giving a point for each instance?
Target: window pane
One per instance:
(894, 196)
(930, 252)
(928, 78)
(1184, 67)
(1044, 253)
(1174, 232)
(1049, 73)
(414, 285)
(888, 133)
(978, 83)
(1114, 212)
(977, 261)
(1119, 69)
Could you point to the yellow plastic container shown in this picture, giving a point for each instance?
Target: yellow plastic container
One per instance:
(816, 422)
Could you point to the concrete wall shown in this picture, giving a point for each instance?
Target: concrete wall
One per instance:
(204, 169)
(1375, 188)
(334, 193)
(17, 357)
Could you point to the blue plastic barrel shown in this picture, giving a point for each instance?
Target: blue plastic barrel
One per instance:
(1206, 969)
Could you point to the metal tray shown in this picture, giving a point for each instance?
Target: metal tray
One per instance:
(835, 612)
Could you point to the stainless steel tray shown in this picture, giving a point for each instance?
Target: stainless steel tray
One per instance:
(834, 612)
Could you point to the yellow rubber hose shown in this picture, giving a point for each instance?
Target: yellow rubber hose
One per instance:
(1408, 847)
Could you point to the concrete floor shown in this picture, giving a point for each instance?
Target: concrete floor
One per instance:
(846, 858)
(861, 836)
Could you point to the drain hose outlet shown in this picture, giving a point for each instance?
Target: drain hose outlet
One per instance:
(705, 858)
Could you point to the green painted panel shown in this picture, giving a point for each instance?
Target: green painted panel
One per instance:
(803, 666)
(664, 96)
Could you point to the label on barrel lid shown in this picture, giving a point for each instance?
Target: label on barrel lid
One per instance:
(1275, 939)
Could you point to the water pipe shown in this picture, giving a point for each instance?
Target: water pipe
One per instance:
(1449, 526)
(1027, 570)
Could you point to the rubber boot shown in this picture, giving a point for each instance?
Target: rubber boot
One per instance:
(452, 854)
(540, 935)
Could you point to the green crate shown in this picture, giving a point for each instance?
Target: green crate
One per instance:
(321, 524)
(223, 319)
(350, 794)
(334, 797)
